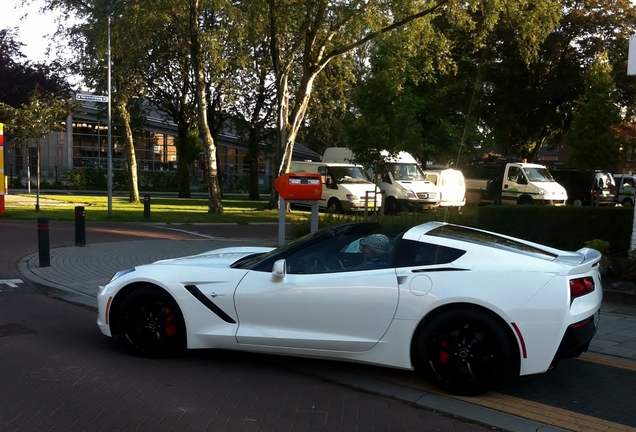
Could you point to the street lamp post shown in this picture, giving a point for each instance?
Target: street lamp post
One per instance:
(110, 129)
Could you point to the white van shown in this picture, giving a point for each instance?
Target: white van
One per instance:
(451, 184)
(625, 188)
(400, 178)
(345, 187)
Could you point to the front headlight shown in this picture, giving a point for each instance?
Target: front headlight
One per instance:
(352, 197)
(120, 273)
(543, 192)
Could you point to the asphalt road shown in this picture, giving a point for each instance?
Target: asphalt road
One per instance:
(59, 373)
(55, 363)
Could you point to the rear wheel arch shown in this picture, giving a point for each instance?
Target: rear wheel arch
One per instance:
(472, 310)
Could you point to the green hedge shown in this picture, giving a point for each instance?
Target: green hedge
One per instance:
(96, 179)
(567, 228)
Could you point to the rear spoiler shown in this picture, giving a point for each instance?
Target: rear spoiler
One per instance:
(581, 262)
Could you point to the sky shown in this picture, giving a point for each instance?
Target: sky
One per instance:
(32, 30)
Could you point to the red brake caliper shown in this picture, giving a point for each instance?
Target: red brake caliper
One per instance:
(171, 325)
(443, 355)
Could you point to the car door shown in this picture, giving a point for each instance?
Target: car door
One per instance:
(514, 185)
(340, 310)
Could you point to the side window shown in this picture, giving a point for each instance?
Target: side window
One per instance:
(411, 253)
(513, 174)
(327, 256)
(326, 176)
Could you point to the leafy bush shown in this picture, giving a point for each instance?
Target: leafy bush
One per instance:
(391, 225)
(562, 227)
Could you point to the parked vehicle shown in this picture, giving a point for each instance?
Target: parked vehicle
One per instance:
(430, 303)
(515, 183)
(400, 179)
(451, 185)
(345, 187)
(625, 186)
(587, 188)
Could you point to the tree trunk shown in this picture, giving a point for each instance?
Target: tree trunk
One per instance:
(287, 132)
(129, 142)
(37, 195)
(183, 160)
(252, 156)
(215, 205)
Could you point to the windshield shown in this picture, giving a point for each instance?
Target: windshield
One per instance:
(251, 260)
(350, 174)
(538, 175)
(406, 172)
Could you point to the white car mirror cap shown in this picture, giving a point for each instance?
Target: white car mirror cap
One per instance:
(279, 269)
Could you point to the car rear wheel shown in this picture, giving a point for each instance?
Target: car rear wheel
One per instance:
(465, 351)
(150, 324)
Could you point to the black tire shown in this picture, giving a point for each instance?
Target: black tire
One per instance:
(465, 351)
(149, 323)
(525, 200)
(627, 202)
(391, 206)
(577, 202)
(334, 206)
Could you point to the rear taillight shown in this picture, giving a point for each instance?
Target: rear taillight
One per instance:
(580, 287)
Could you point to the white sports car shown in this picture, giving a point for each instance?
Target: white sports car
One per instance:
(467, 307)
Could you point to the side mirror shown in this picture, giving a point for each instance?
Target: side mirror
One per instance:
(522, 181)
(279, 269)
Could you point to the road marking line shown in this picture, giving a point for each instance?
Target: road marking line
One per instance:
(11, 282)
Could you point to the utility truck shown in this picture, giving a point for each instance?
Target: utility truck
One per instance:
(400, 178)
(346, 187)
(513, 183)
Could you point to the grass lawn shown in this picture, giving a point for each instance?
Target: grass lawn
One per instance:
(166, 210)
(194, 210)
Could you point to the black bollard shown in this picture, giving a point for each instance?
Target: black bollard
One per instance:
(147, 207)
(80, 226)
(43, 242)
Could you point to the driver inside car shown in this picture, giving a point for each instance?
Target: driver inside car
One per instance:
(375, 249)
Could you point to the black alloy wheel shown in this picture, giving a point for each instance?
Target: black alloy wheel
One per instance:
(466, 352)
(150, 324)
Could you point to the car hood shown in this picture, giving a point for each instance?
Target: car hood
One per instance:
(223, 257)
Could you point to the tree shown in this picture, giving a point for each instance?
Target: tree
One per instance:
(410, 101)
(126, 25)
(593, 142)
(528, 101)
(168, 83)
(19, 79)
(45, 113)
(306, 36)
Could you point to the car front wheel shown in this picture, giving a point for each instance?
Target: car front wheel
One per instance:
(465, 352)
(150, 324)
(334, 206)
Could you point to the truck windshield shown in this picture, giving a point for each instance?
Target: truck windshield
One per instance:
(406, 172)
(350, 174)
(538, 174)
